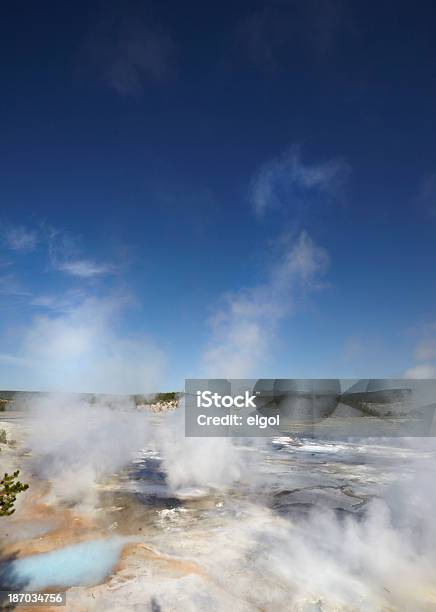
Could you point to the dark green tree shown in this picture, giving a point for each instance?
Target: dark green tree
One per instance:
(10, 486)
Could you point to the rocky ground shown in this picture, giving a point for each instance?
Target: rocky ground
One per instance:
(252, 547)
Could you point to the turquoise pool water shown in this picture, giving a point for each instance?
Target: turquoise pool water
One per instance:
(82, 564)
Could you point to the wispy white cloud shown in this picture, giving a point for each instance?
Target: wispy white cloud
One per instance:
(20, 238)
(65, 256)
(83, 268)
(287, 181)
(421, 371)
(276, 35)
(60, 302)
(82, 349)
(426, 350)
(77, 341)
(127, 52)
(425, 353)
(243, 328)
(10, 285)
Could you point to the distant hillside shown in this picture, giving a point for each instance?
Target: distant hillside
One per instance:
(7, 396)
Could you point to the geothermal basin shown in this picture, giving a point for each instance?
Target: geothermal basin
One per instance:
(124, 513)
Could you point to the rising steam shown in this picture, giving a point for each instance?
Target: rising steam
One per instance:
(77, 444)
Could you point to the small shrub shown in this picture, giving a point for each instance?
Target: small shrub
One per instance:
(10, 486)
(165, 397)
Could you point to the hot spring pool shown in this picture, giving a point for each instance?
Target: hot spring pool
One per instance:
(83, 564)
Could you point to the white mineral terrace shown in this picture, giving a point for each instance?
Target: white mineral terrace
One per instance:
(215, 524)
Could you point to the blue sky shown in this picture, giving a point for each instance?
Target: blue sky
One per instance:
(238, 189)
